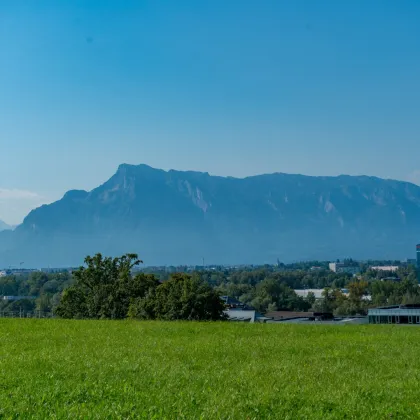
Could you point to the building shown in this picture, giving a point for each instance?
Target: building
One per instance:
(390, 279)
(288, 315)
(320, 318)
(18, 297)
(232, 303)
(304, 293)
(418, 255)
(340, 267)
(390, 268)
(241, 315)
(52, 270)
(398, 314)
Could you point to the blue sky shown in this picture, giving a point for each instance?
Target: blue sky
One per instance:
(229, 87)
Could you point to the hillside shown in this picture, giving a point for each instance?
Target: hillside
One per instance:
(179, 217)
(4, 226)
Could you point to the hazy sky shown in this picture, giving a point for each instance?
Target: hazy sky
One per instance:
(229, 87)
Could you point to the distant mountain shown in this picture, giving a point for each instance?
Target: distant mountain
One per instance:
(180, 217)
(5, 226)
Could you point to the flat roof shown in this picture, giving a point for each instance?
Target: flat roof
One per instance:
(394, 311)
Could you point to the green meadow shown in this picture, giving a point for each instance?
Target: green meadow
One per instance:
(171, 370)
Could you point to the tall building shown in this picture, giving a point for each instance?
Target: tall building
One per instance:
(418, 255)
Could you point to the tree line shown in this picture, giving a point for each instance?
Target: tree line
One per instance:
(44, 288)
(106, 289)
(115, 288)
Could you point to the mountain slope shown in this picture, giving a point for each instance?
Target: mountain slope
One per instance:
(4, 226)
(179, 217)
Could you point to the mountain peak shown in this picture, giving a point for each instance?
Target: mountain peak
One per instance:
(75, 195)
(126, 167)
(174, 217)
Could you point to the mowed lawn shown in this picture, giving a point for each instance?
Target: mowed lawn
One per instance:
(129, 369)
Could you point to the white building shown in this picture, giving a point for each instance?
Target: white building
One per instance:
(339, 267)
(392, 268)
(304, 292)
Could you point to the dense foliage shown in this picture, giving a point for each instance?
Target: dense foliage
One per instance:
(102, 289)
(44, 289)
(116, 288)
(181, 297)
(106, 289)
(371, 289)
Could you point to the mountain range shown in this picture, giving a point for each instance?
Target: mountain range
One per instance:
(181, 217)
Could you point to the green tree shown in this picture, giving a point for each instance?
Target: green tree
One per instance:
(272, 307)
(311, 299)
(357, 289)
(73, 304)
(43, 303)
(104, 288)
(25, 305)
(182, 297)
(274, 292)
(331, 299)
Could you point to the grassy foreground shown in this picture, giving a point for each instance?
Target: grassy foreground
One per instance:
(105, 369)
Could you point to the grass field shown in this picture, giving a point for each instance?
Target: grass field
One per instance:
(106, 369)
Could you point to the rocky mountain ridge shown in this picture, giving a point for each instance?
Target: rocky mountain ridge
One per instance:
(179, 217)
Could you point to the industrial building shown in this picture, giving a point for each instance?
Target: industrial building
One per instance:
(320, 321)
(277, 317)
(341, 267)
(397, 314)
